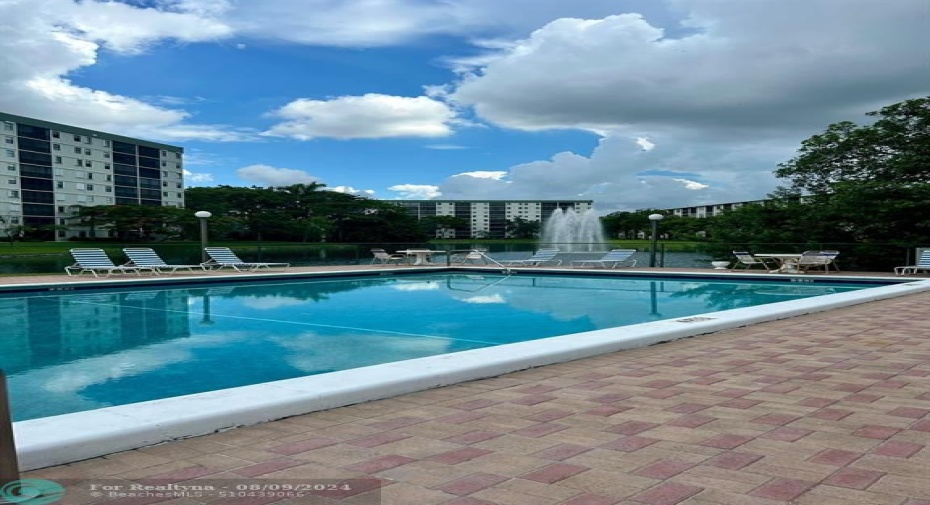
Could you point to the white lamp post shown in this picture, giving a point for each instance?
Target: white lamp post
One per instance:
(203, 216)
(654, 219)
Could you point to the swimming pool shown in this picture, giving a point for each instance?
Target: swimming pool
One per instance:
(70, 352)
(146, 324)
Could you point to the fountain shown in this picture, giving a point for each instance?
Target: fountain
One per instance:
(573, 232)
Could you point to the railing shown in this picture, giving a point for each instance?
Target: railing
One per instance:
(9, 464)
(507, 270)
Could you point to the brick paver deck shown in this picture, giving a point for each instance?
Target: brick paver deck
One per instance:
(825, 409)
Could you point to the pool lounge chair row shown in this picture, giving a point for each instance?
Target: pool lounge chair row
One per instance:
(144, 259)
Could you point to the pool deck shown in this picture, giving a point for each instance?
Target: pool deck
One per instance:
(831, 408)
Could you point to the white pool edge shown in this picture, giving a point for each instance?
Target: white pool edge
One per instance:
(73, 437)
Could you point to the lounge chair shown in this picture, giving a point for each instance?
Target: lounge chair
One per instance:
(382, 257)
(96, 260)
(923, 263)
(222, 257)
(146, 257)
(546, 255)
(748, 261)
(473, 257)
(814, 259)
(613, 258)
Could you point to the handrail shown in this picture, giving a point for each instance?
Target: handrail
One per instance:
(507, 270)
(9, 465)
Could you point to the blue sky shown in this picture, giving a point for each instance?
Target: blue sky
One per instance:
(634, 104)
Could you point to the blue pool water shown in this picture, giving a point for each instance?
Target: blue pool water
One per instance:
(89, 349)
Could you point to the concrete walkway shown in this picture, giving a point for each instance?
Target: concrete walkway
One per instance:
(824, 409)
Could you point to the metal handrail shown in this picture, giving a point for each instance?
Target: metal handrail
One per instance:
(9, 465)
(507, 270)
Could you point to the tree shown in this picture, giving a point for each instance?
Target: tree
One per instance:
(519, 227)
(870, 183)
(893, 151)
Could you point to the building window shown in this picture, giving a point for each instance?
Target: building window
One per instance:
(60, 185)
(7, 125)
(88, 140)
(62, 221)
(164, 193)
(58, 159)
(90, 187)
(77, 138)
(61, 209)
(11, 181)
(177, 155)
(78, 163)
(11, 167)
(10, 153)
(106, 166)
(56, 134)
(87, 152)
(56, 147)
(77, 150)
(90, 175)
(164, 184)
(109, 189)
(88, 164)
(106, 143)
(180, 196)
(8, 140)
(14, 193)
(164, 163)
(179, 185)
(109, 177)
(106, 155)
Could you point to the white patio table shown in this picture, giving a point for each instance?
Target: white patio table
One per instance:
(787, 262)
(421, 256)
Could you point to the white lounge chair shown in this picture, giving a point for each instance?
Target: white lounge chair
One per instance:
(147, 257)
(96, 260)
(222, 257)
(382, 257)
(546, 255)
(810, 260)
(923, 263)
(613, 258)
(748, 261)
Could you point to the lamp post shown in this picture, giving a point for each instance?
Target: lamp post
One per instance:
(654, 219)
(203, 216)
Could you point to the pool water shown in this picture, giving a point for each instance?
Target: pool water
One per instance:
(90, 349)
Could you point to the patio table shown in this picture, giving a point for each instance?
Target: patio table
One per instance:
(787, 262)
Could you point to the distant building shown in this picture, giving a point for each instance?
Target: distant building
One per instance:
(488, 218)
(711, 210)
(52, 169)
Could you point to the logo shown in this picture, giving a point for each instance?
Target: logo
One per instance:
(32, 491)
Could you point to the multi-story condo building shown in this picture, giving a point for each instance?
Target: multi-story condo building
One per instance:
(711, 210)
(51, 170)
(488, 218)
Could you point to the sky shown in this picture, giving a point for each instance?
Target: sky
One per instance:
(634, 104)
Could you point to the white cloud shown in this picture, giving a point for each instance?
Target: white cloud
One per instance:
(349, 190)
(416, 191)
(697, 116)
(619, 175)
(196, 178)
(368, 116)
(42, 42)
(736, 70)
(266, 175)
(484, 174)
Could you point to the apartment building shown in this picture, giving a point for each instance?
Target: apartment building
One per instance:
(488, 218)
(51, 170)
(711, 210)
